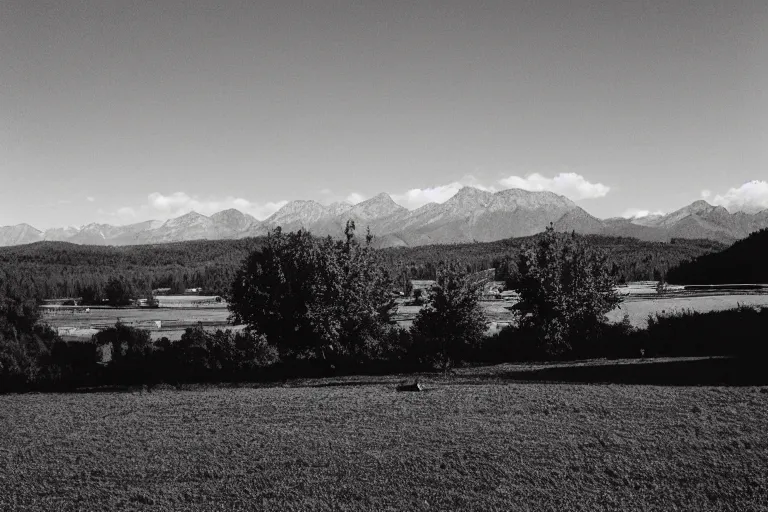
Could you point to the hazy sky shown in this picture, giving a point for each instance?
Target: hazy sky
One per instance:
(119, 110)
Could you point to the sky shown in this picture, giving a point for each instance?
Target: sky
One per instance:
(124, 110)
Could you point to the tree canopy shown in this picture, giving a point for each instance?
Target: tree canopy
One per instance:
(318, 298)
(566, 287)
(452, 318)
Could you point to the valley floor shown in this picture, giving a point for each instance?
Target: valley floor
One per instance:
(76, 324)
(472, 441)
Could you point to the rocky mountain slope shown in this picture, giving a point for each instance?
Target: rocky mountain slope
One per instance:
(470, 215)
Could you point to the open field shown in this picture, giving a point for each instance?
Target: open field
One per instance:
(639, 309)
(173, 321)
(469, 442)
(75, 323)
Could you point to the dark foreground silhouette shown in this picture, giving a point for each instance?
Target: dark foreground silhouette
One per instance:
(712, 371)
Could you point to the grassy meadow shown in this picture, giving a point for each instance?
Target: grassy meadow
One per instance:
(482, 439)
(638, 310)
(174, 320)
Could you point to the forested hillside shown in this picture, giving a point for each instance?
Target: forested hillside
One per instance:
(631, 259)
(745, 262)
(60, 269)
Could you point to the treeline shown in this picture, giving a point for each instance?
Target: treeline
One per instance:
(45, 362)
(60, 269)
(745, 262)
(630, 259)
(42, 361)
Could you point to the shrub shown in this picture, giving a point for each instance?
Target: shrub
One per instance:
(131, 348)
(734, 332)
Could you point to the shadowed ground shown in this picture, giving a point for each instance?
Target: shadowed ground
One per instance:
(710, 371)
(472, 441)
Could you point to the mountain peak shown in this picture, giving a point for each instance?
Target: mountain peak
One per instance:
(699, 205)
(228, 212)
(521, 198)
(382, 196)
(470, 197)
(469, 191)
(378, 206)
(300, 213)
(187, 219)
(234, 220)
(191, 215)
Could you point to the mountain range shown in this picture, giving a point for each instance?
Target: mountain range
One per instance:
(470, 215)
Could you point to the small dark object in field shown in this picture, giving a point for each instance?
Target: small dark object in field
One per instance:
(416, 386)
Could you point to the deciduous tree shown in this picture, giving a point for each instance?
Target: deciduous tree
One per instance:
(565, 288)
(452, 318)
(325, 299)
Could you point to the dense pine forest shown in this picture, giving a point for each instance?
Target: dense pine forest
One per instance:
(745, 262)
(59, 269)
(631, 259)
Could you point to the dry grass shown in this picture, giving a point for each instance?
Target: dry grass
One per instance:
(639, 310)
(355, 444)
(175, 320)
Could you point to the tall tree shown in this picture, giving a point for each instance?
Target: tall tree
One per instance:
(452, 319)
(565, 288)
(117, 292)
(324, 299)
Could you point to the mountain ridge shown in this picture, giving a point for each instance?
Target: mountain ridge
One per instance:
(470, 215)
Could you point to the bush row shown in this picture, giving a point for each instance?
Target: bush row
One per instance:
(123, 355)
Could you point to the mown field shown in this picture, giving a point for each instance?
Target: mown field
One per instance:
(639, 310)
(473, 441)
(175, 320)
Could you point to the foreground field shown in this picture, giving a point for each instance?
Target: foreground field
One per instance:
(469, 442)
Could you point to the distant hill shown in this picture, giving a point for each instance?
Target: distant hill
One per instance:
(471, 215)
(745, 262)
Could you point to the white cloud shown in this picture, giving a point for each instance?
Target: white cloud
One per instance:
(355, 198)
(750, 197)
(126, 212)
(636, 213)
(417, 197)
(90, 199)
(160, 206)
(572, 185)
(705, 194)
